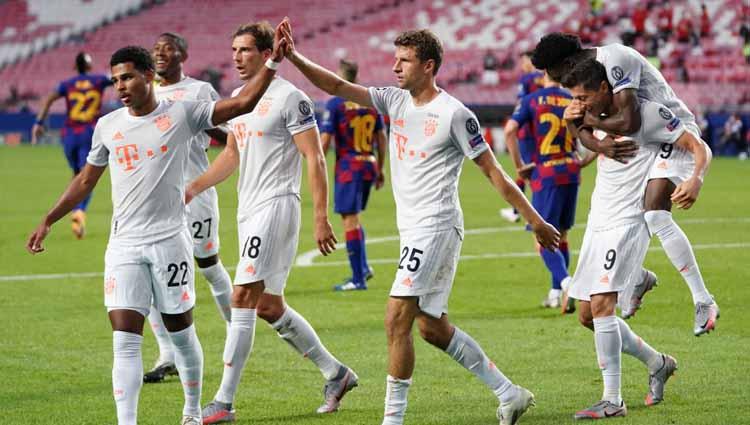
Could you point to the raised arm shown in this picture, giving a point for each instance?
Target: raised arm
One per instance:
(546, 234)
(308, 143)
(244, 102)
(38, 129)
(686, 193)
(81, 185)
(322, 78)
(222, 167)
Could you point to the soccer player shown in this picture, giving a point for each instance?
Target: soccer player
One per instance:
(632, 78)
(531, 80)
(431, 133)
(554, 172)
(617, 238)
(169, 53)
(268, 146)
(83, 100)
(149, 255)
(358, 131)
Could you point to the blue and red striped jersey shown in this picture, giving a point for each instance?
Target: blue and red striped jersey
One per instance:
(83, 98)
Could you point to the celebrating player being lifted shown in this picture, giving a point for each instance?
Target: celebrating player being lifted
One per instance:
(149, 258)
(358, 133)
(616, 238)
(431, 133)
(169, 53)
(268, 145)
(632, 78)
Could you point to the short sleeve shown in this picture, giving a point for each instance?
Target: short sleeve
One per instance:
(99, 153)
(466, 134)
(379, 122)
(522, 114)
(659, 124)
(623, 69)
(199, 114)
(328, 124)
(298, 113)
(383, 98)
(207, 92)
(62, 89)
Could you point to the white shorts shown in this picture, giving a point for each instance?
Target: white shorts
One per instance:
(673, 162)
(426, 268)
(268, 244)
(610, 259)
(161, 273)
(203, 223)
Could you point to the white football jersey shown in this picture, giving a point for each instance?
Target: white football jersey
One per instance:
(428, 146)
(620, 188)
(270, 163)
(196, 90)
(148, 158)
(628, 69)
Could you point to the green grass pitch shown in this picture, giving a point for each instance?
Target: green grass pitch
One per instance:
(55, 339)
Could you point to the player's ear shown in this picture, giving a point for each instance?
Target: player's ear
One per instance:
(149, 74)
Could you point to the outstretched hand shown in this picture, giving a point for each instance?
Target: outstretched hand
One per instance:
(546, 235)
(279, 44)
(286, 31)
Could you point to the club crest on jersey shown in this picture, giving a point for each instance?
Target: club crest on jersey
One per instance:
(163, 122)
(472, 126)
(264, 106)
(304, 108)
(430, 126)
(178, 94)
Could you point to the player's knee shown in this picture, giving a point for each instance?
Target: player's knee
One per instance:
(658, 192)
(270, 312)
(242, 297)
(434, 335)
(350, 221)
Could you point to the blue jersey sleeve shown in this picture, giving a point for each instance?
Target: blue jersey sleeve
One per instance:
(379, 122)
(62, 89)
(523, 113)
(328, 123)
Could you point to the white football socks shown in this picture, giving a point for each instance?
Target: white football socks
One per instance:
(221, 288)
(127, 375)
(467, 352)
(608, 351)
(680, 252)
(295, 330)
(237, 349)
(633, 345)
(189, 362)
(166, 351)
(396, 394)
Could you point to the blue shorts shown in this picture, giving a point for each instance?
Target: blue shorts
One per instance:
(77, 147)
(527, 148)
(351, 197)
(557, 205)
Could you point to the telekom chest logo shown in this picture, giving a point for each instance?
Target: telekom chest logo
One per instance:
(128, 154)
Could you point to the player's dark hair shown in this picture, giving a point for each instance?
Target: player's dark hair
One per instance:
(137, 55)
(261, 31)
(553, 48)
(177, 39)
(527, 53)
(349, 69)
(425, 42)
(588, 73)
(82, 62)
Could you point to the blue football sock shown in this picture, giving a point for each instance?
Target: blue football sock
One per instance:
(84, 204)
(565, 253)
(354, 249)
(555, 263)
(365, 266)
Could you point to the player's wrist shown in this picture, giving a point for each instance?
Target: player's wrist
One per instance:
(39, 121)
(272, 65)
